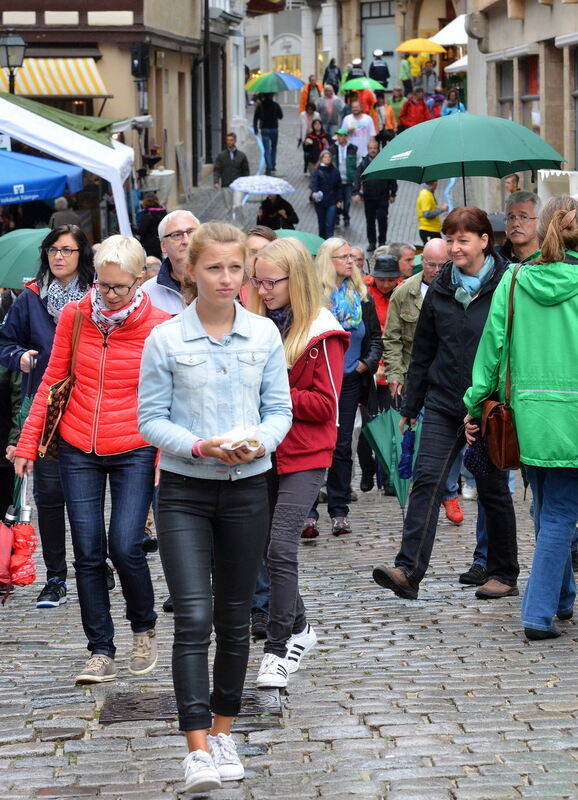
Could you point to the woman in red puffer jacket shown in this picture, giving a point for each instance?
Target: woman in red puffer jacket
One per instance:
(100, 441)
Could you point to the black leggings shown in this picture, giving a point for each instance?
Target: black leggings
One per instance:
(197, 517)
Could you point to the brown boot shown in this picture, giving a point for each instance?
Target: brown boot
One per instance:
(395, 579)
(495, 589)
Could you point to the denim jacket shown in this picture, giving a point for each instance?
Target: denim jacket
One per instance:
(194, 387)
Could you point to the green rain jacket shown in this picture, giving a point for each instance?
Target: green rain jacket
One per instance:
(544, 360)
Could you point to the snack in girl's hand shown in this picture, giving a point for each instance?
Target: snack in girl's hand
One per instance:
(241, 437)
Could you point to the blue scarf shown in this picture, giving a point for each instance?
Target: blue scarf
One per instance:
(282, 317)
(470, 285)
(345, 305)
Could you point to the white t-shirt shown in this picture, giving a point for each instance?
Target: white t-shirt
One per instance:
(360, 131)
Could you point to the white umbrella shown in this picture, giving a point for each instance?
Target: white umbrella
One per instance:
(452, 33)
(261, 184)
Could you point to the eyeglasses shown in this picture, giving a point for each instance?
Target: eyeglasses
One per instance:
(176, 235)
(433, 264)
(344, 258)
(266, 283)
(65, 251)
(120, 291)
(511, 219)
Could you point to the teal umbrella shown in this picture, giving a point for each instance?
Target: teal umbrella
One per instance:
(20, 256)
(460, 145)
(310, 240)
(355, 84)
(384, 437)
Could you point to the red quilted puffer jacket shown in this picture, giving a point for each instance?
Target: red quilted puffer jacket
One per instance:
(101, 415)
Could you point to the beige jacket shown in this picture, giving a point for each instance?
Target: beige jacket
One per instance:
(404, 308)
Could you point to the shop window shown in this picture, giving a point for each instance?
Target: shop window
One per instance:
(531, 97)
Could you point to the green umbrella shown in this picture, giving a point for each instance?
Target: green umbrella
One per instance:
(310, 240)
(460, 145)
(361, 83)
(20, 256)
(384, 437)
(273, 82)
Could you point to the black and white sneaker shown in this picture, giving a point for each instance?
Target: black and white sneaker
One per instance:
(273, 672)
(298, 646)
(53, 594)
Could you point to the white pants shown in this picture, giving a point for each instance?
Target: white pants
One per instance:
(233, 203)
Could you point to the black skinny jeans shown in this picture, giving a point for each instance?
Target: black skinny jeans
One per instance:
(442, 438)
(229, 519)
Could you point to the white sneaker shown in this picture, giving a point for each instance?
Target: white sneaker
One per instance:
(273, 671)
(298, 646)
(469, 492)
(201, 774)
(226, 758)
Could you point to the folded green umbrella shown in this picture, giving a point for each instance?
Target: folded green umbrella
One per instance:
(384, 437)
(20, 256)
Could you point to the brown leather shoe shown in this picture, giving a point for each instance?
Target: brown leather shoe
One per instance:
(395, 579)
(495, 589)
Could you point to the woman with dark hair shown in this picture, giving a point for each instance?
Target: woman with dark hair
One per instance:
(327, 194)
(65, 274)
(544, 404)
(452, 104)
(148, 227)
(448, 331)
(315, 143)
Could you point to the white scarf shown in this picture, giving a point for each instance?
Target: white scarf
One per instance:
(106, 320)
(57, 295)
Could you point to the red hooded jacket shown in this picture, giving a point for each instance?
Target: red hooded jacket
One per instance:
(101, 415)
(315, 381)
(412, 113)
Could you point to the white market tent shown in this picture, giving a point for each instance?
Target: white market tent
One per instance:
(461, 65)
(453, 33)
(113, 164)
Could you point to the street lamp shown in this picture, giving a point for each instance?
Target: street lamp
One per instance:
(12, 49)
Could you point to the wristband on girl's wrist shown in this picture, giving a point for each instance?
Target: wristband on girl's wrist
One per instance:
(196, 449)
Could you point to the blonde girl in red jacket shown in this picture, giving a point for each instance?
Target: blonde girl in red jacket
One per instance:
(286, 289)
(100, 442)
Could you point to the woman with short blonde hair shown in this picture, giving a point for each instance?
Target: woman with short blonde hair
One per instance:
(100, 444)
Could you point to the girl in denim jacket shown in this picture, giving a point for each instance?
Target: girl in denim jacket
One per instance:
(214, 368)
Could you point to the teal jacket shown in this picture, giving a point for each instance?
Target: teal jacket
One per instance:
(544, 361)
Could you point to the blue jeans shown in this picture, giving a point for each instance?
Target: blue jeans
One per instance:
(451, 489)
(481, 551)
(260, 600)
(131, 477)
(347, 192)
(51, 522)
(270, 137)
(326, 216)
(551, 587)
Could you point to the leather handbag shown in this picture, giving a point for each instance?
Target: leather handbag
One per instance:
(498, 428)
(57, 400)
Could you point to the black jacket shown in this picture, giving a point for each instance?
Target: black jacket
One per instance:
(269, 214)
(227, 169)
(148, 231)
(373, 189)
(371, 348)
(445, 344)
(379, 71)
(268, 113)
(328, 181)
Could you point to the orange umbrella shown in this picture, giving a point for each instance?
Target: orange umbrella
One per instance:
(419, 46)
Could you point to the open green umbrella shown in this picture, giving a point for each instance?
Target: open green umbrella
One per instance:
(460, 145)
(20, 256)
(361, 83)
(310, 240)
(384, 437)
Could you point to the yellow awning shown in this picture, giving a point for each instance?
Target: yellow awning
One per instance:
(57, 77)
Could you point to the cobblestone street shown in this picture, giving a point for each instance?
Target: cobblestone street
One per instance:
(441, 698)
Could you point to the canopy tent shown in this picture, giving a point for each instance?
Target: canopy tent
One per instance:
(452, 33)
(99, 154)
(24, 178)
(461, 65)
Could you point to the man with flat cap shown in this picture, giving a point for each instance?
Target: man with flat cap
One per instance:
(384, 278)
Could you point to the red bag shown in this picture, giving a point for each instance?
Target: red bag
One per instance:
(6, 538)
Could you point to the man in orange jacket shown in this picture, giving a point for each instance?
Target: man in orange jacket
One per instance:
(310, 93)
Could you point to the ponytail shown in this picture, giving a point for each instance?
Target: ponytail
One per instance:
(558, 229)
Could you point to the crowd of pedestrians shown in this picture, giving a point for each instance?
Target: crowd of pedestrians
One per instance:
(222, 389)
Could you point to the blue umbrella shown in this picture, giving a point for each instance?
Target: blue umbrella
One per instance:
(24, 178)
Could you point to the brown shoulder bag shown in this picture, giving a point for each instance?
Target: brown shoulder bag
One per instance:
(498, 428)
(57, 400)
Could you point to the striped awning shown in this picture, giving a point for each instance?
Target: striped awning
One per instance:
(57, 77)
